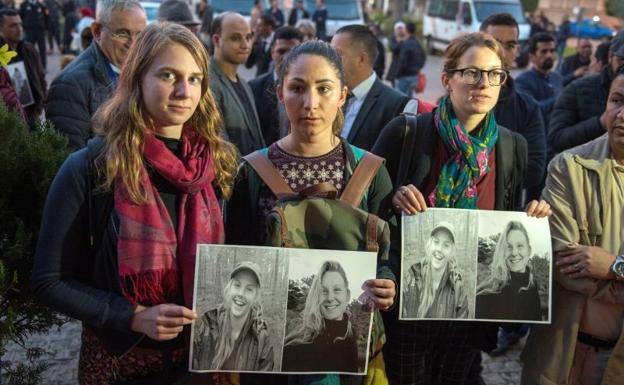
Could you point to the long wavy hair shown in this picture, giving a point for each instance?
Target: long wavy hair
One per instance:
(224, 346)
(313, 322)
(427, 294)
(324, 50)
(499, 271)
(123, 120)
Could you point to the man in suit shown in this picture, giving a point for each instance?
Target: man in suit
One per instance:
(260, 55)
(231, 39)
(297, 13)
(273, 120)
(373, 103)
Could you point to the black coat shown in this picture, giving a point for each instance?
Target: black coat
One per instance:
(292, 17)
(520, 113)
(265, 97)
(576, 116)
(259, 57)
(381, 105)
(76, 94)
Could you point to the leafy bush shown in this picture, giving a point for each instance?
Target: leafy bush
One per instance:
(28, 163)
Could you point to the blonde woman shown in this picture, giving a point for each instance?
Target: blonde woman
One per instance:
(234, 336)
(434, 288)
(325, 340)
(511, 280)
(124, 215)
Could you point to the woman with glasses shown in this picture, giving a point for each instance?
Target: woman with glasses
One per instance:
(460, 158)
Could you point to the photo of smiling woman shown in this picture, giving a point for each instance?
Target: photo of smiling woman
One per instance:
(510, 292)
(433, 286)
(325, 339)
(234, 336)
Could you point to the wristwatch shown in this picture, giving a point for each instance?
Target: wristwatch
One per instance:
(618, 267)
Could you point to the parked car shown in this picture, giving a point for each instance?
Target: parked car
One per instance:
(591, 29)
(446, 19)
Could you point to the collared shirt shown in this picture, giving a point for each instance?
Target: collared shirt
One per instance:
(355, 103)
(267, 42)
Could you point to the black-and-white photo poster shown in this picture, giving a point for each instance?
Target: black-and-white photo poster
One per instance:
(19, 79)
(475, 265)
(266, 309)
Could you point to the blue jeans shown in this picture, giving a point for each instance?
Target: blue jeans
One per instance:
(406, 84)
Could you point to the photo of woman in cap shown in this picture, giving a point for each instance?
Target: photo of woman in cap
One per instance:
(434, 287)
(511, 280)
(325, 341)
(234, 336)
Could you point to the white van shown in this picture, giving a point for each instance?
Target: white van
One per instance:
(446, 19)
(339, 13)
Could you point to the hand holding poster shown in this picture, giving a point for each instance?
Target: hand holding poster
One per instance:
(264, 309)
(476, 265)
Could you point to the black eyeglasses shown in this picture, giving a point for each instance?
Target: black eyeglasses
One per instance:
(472, 76)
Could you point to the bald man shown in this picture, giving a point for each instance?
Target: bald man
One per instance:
(231, 39)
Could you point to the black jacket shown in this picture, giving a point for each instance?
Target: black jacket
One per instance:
(510, 168)
(263, 89)
(33, 15)
(76, 94)
(381, 105)
(27, 53)
(411, 58)
(571, 64)
(259, 56)
(520, 113)
(292, 17)
(576, 117)
(380, 61)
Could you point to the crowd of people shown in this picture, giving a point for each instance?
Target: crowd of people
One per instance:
(159, 118)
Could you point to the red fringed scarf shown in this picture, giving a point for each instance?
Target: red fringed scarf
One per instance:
(155, 261)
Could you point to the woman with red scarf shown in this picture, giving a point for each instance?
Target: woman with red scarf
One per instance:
(124, 216)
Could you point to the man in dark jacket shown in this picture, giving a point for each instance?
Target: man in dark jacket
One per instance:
(297, 13)
(517, 111)
(260, 55)
(276, 13)
(90, 79)
(372, 104)
(411, 59)
(578, 116)
(273, 119)
(577, 65)
(541, 82)
(11, 33)
(34, 15)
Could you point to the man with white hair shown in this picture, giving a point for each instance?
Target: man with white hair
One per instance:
(90, 79)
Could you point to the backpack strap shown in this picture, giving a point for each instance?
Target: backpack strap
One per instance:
(361, 179)
(269, 174)
(409, 134)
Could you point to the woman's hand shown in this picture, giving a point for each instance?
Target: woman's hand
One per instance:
(538, 209)
(409, 200)
(585, 261)
(161, 322)
(379, 293)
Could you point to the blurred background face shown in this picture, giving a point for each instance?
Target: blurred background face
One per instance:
(335, 296)
(308, 33)
(584, 48)
(233, 45)
(11, 29)
(615, 115)
(476, 99)
(242, 293)
(517, 251)
(507, 36)
(544, 57)
(400, 32)
(441, 247)
(262, 29)
(281, 48)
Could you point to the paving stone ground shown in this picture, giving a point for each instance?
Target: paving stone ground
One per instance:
(64, 345)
